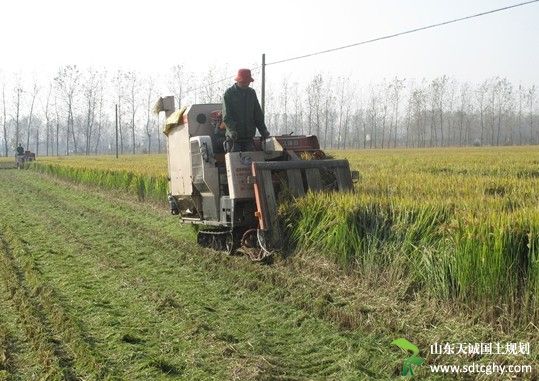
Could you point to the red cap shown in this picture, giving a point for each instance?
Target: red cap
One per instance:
(244, 75)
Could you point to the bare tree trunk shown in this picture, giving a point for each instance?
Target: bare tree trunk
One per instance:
(176, 83)
(88, 127)
(92, 87)
(67, 132)
(47, 121)
(57, 128)
(326, 123)
(37, 141)
(492, 110)
(120, 88)
(148, 114)
(396, 120)
(384, 124)
(408, 122)
(284, 105)
(364, 132)
(519, 120)
(374, 118)
(29, 124)
(133, 89)
(461, 126)
(100, 124)
(17, 125)
(433, 137)
(158, 135)
(133, 132)
(397, 85)
(298, 115)
(482, 125)
(309, 121)
(120, 129)
(531, 99)
(499, 126)
(314, 98)
(341, 106)
(67, 81)
(73, 135)
(442, 87)
(5, 119)
(346, 120)
(441, 127)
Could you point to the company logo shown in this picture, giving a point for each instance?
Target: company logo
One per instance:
(409, 362)
(245, 159)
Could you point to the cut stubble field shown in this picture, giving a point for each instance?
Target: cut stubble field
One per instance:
(95, 284)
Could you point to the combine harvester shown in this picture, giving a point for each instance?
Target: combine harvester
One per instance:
(235, 196)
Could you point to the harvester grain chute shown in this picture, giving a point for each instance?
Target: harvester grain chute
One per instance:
(234, 197)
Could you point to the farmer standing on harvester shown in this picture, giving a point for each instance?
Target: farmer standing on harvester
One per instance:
(242, 114)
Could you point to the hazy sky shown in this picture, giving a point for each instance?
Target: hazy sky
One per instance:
(153, 35)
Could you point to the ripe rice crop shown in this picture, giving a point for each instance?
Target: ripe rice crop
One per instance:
(455, 223)
(144, 176)
(459, 224)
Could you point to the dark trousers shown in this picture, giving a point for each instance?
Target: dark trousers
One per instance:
(239, 146)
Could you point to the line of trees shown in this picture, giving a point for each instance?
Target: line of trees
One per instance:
(73, 111)
(407, 113)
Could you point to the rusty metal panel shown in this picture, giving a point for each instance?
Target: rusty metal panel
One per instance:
(266, 202)
(314, 180)
(295, 182)
(344, 178)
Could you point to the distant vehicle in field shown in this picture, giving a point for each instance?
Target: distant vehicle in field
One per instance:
(20, 160)
(27, 156)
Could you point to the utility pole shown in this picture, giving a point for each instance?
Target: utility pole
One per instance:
(263, 90)
(116, 131)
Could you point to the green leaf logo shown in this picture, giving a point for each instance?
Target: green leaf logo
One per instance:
(414, 359)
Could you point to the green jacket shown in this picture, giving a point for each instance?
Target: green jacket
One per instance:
(242, 113)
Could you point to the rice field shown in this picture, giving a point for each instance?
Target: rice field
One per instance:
(457, 224)
(144, 176)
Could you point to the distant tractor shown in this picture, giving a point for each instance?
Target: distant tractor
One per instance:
(24, 158)
(234, 196)
(20, 160)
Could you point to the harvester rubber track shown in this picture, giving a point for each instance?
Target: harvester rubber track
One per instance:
(229, 241)
(220, 240)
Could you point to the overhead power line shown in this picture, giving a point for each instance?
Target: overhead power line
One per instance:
(386, 37)
(403, 33)
(229, 78)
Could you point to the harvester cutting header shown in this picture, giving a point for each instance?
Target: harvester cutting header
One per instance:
(229, 181)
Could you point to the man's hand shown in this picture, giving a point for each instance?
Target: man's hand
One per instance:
(233, 135)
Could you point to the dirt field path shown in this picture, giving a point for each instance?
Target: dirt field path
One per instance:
(97, 287)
